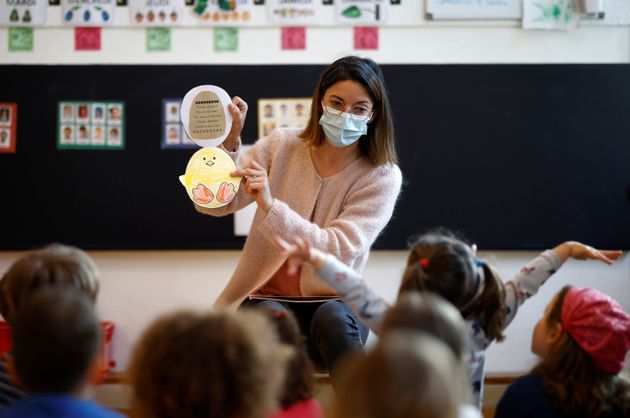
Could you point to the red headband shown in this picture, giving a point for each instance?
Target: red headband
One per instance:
(599, 325)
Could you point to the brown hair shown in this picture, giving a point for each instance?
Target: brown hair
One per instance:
(192, 365)
(430, 313)
(576, 386)
(56, 339)
(451, 270)
(408, 375)
(379, 144)
(56, 264)
(298, 384)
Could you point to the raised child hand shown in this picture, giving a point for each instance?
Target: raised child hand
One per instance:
(300, 251)
(580, 251)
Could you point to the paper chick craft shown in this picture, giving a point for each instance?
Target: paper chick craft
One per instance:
(207, 122)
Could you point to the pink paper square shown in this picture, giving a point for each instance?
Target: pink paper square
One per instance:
(294, 38)
(366, 37)
(87, 39)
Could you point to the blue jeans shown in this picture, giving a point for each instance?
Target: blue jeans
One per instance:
(330, 328)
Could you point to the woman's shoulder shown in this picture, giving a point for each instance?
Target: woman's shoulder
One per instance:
(288, 137)
(386, 173)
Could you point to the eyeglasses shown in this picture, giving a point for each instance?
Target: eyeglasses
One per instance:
(336, 108)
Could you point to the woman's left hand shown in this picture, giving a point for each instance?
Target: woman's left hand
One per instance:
(256, 183)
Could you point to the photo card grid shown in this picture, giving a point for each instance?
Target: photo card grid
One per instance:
(91, 125)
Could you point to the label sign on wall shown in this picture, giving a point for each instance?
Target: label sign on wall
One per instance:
(23, 12)
(361, 12)
(88, 12)
(293, 12)
(156, 12)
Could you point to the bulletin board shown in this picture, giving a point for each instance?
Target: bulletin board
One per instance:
(513, 156)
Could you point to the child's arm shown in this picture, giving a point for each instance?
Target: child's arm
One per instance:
(527, 281)
(369, 307)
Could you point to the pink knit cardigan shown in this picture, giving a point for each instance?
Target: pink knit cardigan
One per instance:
(341, 214)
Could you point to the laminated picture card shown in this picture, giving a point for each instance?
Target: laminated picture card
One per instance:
(23, 12)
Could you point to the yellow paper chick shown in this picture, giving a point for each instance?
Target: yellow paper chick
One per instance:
(207, 179)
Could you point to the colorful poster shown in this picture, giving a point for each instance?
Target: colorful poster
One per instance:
(91, 125)
(225, 39)
(282, 113)
(173, 133)
(361, 12)
(224, 12)
(156, 12)
(158, 39)
(293, 38)
(21, 39)
(88, 12)
(365, 37)
(23, 13)
(8, 127)
(293, 12)
(87, 39)
(550, 14)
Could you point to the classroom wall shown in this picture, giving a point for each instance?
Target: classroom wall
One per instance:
(138, 286)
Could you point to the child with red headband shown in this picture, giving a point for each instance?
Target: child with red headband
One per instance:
(582, 341)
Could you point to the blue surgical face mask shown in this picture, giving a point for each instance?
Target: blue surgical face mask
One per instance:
(342, 129)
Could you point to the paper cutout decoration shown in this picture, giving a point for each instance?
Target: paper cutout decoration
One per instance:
(293, 38)
(357, 12)
(23, 13)
(158, 39)
(365, 37)
(282, 113)
(207, 120)
(174, 135)
(225, 39)
(550, 14)
(87, 39)
(303, 12)
(91, 125)
(207, 179)
(21, 39)
(8, 127)
(88, 12)
(156, 12)
(224, 12)
(205, 115)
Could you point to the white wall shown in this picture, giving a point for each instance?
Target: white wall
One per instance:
(138, 286)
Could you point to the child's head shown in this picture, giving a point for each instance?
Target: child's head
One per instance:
(57, 265)
(192, 365)
(441, 263)
(56, 338)
(408, 375)
(298, 384)
(583, 339)
(429, 313)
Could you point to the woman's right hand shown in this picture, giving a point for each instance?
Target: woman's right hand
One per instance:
(238, 110)
(300, 251)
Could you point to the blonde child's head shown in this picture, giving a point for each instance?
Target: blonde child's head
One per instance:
(408, 375)
(429, 313)
(54, 265)
(193, 365)
(582, 340)
(441, 263)
(299, 383)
